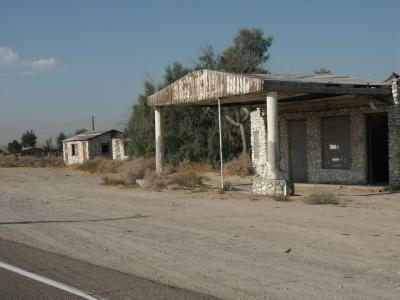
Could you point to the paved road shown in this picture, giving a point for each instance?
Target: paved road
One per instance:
(94, 280)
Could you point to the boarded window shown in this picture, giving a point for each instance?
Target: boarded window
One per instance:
(73, 149)
(256, 144)
(336, 143)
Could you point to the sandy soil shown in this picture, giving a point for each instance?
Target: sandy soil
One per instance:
(233, 245)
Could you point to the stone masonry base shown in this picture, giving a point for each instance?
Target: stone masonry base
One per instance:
(272, 187)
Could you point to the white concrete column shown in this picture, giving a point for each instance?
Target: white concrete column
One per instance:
(159, 130)
(272, 135)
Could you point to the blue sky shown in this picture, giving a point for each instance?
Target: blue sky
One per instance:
(63, 61)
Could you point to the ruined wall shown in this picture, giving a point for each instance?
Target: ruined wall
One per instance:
(356, 174)
(78, 158)
(394, 135)
(118, 149)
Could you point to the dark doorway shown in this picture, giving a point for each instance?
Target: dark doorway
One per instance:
(377, 148)
(105, 149)
(297, 150)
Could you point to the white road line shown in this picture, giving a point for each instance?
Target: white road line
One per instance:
(48, 281)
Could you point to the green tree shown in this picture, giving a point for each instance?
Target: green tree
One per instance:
(14, 147)
(192, 133)
(140, 128)
(28, 139)
(323, 71)
(59, 140)
(249, 52)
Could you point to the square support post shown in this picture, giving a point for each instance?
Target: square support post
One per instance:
(159, 135)
(272, 134)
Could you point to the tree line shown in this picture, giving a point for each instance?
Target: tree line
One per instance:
(29, 139)
(192, 133)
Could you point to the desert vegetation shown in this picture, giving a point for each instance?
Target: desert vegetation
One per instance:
(12, 161)
(141, 172)
(322, 198)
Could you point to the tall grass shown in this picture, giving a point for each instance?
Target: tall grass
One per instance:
(31, 161)
(240, 166)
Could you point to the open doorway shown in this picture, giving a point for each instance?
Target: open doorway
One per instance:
(377, 148)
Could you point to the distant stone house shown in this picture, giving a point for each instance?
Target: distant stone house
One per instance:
(89, 144)
(32, 151)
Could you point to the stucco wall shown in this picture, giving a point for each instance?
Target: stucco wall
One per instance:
(356, 174)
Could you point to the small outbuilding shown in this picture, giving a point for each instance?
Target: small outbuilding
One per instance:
(32, 151)
(89, 144)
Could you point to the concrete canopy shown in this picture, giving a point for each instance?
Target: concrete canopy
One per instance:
(203, 87)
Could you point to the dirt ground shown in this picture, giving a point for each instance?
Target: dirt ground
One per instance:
(233, 245)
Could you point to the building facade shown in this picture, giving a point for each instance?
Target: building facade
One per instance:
(335, 143)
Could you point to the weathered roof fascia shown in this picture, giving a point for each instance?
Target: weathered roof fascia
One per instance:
(204, 87)
(88, 135)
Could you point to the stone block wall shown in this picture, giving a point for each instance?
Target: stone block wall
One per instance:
(118, 149)
(78, 158)
(394, 135)
(356, 174)
(258, 140)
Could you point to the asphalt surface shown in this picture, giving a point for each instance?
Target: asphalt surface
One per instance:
(95, 280)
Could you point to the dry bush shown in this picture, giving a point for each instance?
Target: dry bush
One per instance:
(188, 179)
(322, 198)
(31, 161)
(156, 181)
(107, 166)
(113, 179)
(92, 166)
(135, 169)
(187, 165)
(240, 166)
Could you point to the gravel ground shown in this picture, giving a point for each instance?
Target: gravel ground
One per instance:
(233, 245)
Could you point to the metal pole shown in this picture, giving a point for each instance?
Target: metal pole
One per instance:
(93, 123)
(220, 144)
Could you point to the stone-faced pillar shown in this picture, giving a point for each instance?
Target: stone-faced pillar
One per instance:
(272, 134)
(159, 134)
(394, 135)
(269, 179)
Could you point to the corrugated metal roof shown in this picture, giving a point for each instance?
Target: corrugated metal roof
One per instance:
(87, 135)
(203, 87)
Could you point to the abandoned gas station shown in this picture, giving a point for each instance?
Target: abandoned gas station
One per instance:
(316, 128)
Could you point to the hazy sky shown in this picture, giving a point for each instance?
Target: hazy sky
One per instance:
(63, 61)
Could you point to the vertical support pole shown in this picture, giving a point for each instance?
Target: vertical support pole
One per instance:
(220, 144)
(159, 134)
(272, 135)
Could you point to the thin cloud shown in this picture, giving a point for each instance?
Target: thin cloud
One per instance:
(10, 61)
